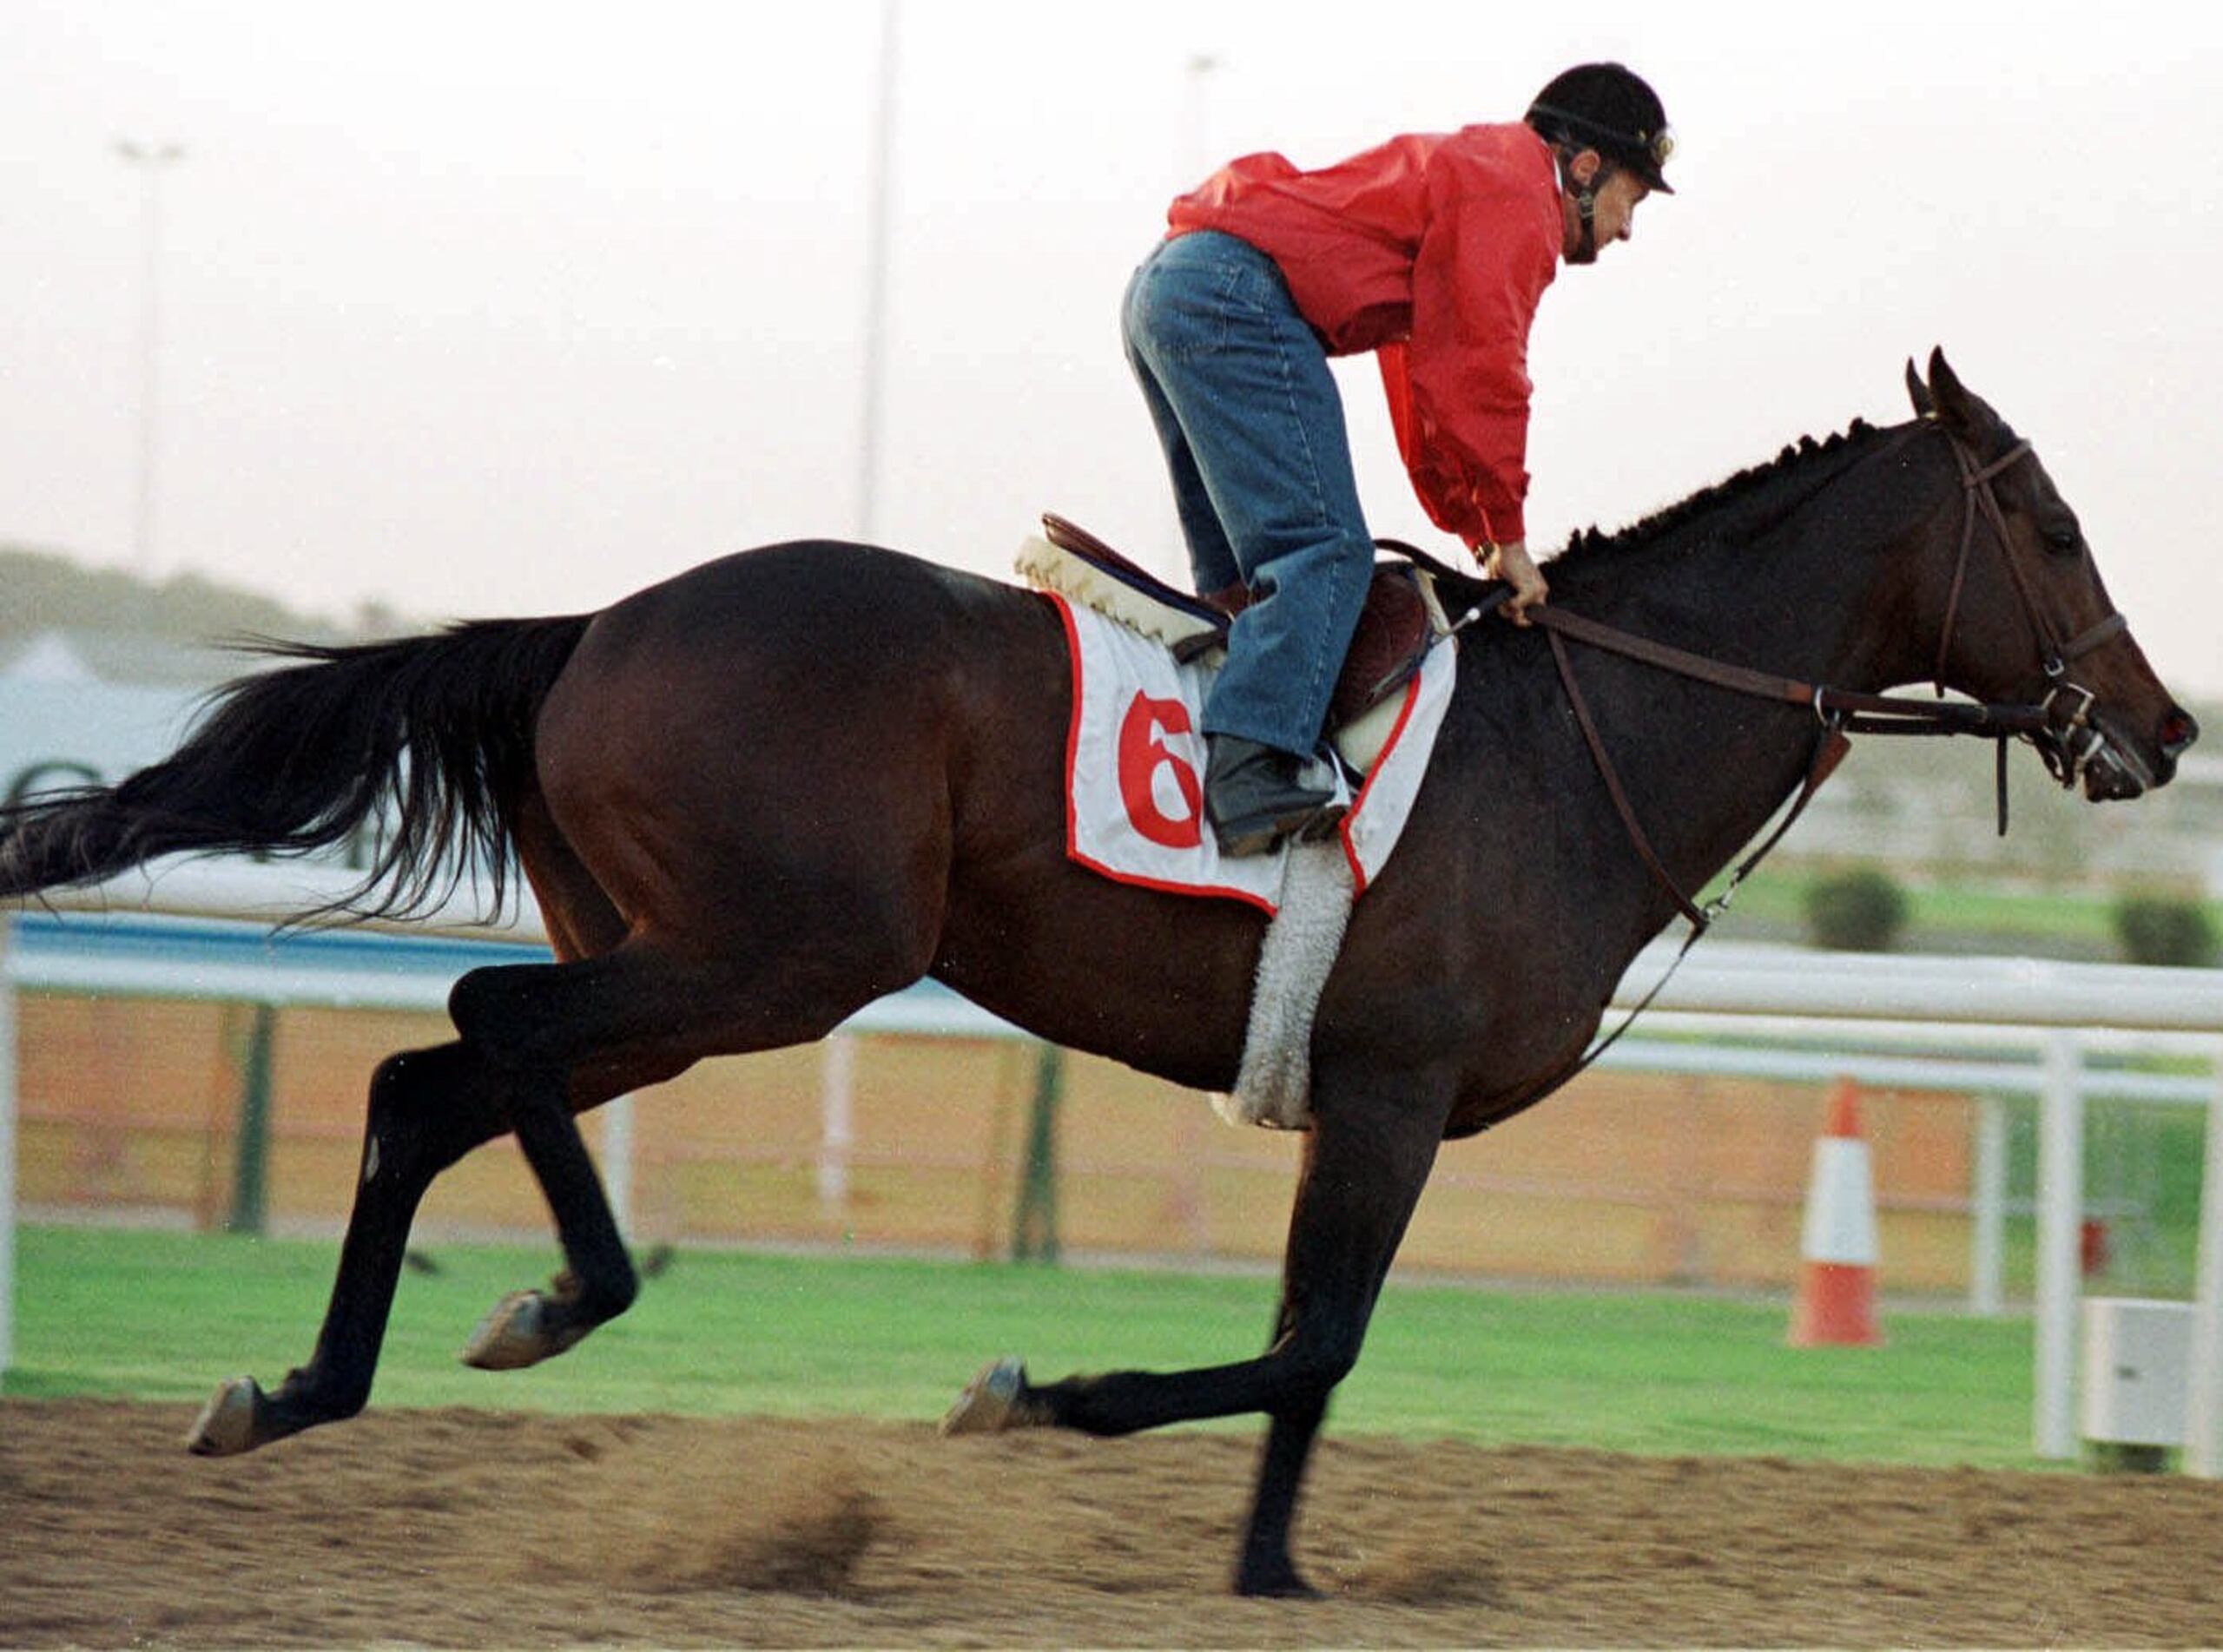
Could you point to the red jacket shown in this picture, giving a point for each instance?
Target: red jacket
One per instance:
(1431, 251)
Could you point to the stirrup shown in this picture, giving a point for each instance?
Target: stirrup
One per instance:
(1260, 833)
(1272, 798)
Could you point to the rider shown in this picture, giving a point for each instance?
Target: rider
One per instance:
(1431, 251)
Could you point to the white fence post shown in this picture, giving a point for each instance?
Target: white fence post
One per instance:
(2204, 1402)
(2061, 1212)
(1988, 1222)
(618, 1160)
(837, 1120)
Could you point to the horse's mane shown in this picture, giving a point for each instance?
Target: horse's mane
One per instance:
(1593, 546)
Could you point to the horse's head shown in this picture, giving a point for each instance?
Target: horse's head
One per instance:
(2022, 614)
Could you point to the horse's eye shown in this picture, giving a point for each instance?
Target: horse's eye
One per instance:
(2063, 539)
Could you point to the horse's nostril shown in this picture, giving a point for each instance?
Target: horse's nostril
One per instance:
(2178, 730)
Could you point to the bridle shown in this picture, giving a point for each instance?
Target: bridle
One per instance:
(2070, 738)
(2059, 725)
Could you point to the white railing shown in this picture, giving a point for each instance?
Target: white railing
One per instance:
(2049, 1002)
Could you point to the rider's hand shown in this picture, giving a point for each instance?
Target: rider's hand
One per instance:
(1510, 562)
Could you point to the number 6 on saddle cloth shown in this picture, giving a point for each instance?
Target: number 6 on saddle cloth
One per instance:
(1144, 654)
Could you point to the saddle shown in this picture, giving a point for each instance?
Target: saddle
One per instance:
(1399, 623)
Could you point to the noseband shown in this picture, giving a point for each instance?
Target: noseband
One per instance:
(2068, 738)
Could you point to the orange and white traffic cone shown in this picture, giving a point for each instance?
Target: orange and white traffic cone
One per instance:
(1836, 1282)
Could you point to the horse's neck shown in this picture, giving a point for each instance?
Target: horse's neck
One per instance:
(1796, 585)
(1797, 593)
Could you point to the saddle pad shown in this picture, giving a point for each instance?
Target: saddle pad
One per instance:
(1135, 765)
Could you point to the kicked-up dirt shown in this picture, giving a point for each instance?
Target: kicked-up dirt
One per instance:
(473, 1528)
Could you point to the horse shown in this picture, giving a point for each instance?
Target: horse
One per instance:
(756, 797)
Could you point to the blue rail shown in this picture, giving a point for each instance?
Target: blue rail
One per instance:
(44, 935)
(130, 954)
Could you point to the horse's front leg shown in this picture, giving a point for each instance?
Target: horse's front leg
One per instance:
(1366, 1159)
(428, 1108)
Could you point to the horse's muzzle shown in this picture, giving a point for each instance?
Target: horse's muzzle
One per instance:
(2113, 766)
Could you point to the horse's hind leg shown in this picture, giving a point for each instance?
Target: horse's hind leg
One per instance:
(543, 1028)
(1366, 1159)
(428, 1108)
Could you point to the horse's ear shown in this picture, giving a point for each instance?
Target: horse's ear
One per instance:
(1918, 393)
(1955, 407)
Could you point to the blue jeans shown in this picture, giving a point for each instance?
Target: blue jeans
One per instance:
(1252, 426)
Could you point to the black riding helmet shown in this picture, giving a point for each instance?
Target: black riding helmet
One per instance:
(1605, 107)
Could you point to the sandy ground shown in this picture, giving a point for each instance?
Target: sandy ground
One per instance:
(471, 1529)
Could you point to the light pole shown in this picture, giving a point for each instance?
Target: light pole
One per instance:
(1197, 142)
(1192, 166)
(879, 233)
(150, 160)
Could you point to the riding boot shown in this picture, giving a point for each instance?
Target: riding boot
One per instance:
(1256, 795)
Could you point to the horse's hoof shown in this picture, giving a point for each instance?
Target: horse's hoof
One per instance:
(1282, 1583)
(226, 1426)
(990, 1402)
(513, 1335)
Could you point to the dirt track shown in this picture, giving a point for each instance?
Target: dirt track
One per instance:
(477, 1530)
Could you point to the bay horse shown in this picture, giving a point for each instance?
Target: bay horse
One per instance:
(756, 797)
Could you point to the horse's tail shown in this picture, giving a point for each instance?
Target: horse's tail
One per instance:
(426, 741)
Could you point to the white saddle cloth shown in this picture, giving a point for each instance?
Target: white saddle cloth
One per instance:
(1135, 765)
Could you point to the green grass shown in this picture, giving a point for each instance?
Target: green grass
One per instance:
(1948, 916)
(2141, 1173)
(162, 1316)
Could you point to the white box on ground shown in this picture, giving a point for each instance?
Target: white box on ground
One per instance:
(2137, 1363)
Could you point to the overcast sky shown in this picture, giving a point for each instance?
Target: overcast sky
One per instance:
(506, 308)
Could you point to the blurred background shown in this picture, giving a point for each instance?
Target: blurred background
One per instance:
(334, 320)
(510, 308)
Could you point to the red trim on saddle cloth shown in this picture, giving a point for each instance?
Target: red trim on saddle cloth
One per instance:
(1359, 879)
(1073, 718)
